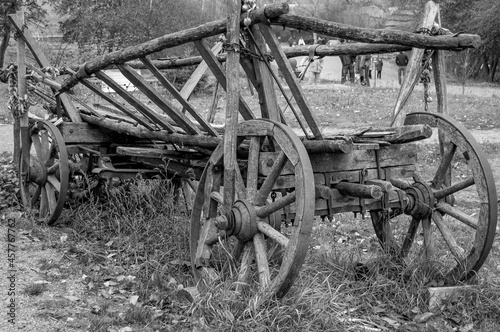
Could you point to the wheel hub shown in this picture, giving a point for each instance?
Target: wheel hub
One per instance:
(37, 172)
(421, 200)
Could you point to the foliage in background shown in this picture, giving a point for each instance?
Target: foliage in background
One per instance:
(477, 17)
(9, 183)
(106, 26)
(33, 13)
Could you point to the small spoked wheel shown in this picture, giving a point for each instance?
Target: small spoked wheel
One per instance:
(44, 179)
(456, 206)
(250, 251)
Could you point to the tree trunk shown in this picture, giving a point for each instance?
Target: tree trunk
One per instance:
(5, 44)
(494, 66)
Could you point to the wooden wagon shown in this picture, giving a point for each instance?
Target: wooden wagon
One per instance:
(258, 184)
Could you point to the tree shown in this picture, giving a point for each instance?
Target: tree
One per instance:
(33, 13)
(108, 25)
(479, 17)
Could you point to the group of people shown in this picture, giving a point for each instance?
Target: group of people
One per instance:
(355, 69)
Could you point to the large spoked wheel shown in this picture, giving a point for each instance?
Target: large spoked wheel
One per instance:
(250, 251)
(457, 206)
(44, 182)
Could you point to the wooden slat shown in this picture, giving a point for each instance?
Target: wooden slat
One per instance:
(37, 52)
(198, 73)
(267, 95)
(165, 105)
(171, 88)
(97, 90)
(293, 84)
(218, 72)
(136, 103)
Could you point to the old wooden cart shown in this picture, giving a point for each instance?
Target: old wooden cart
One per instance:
(258, 184)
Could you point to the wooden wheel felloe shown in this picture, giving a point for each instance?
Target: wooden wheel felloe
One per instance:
(457, 207)
(250, 250)
(44, 182)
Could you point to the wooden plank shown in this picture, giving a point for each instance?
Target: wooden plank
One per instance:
(198, 73)
(37, 52)
(413, 68)
(136, 103)
(295, 88)
(171, 88)
(167, 41)
(218, 72)
(165, 105)
(356, 160)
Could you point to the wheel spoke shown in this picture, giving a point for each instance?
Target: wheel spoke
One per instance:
(253, 166)
(54, 182)
(382, 227)
(410, 236)
(52, 169)
(271, 233)
(217, 196)
(46, 147)
(267, 186)
(278, 204)
(444, 166)
(43, 203)
(428, 240)
(35, 138)
(241, 192)
(204, 250)
(438, 194)
(457, 214)
(35, 196)
(244, 271)
(455, 249)
(262, 263)
(51, 197)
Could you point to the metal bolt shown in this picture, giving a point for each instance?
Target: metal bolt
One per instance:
(270, 162)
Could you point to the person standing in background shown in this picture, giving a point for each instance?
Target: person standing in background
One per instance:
(401, 62)
(379, 65)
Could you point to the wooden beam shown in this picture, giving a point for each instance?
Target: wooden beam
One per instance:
(37, 52)
(171, 88)
(380, 36)
(233, 99)
(218, 72)
(136, 103)
(158, 135)
(138, 81)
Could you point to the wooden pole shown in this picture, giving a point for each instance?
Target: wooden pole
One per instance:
(22, 96)
(414, 68)
(381, 36)
(232, 104)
